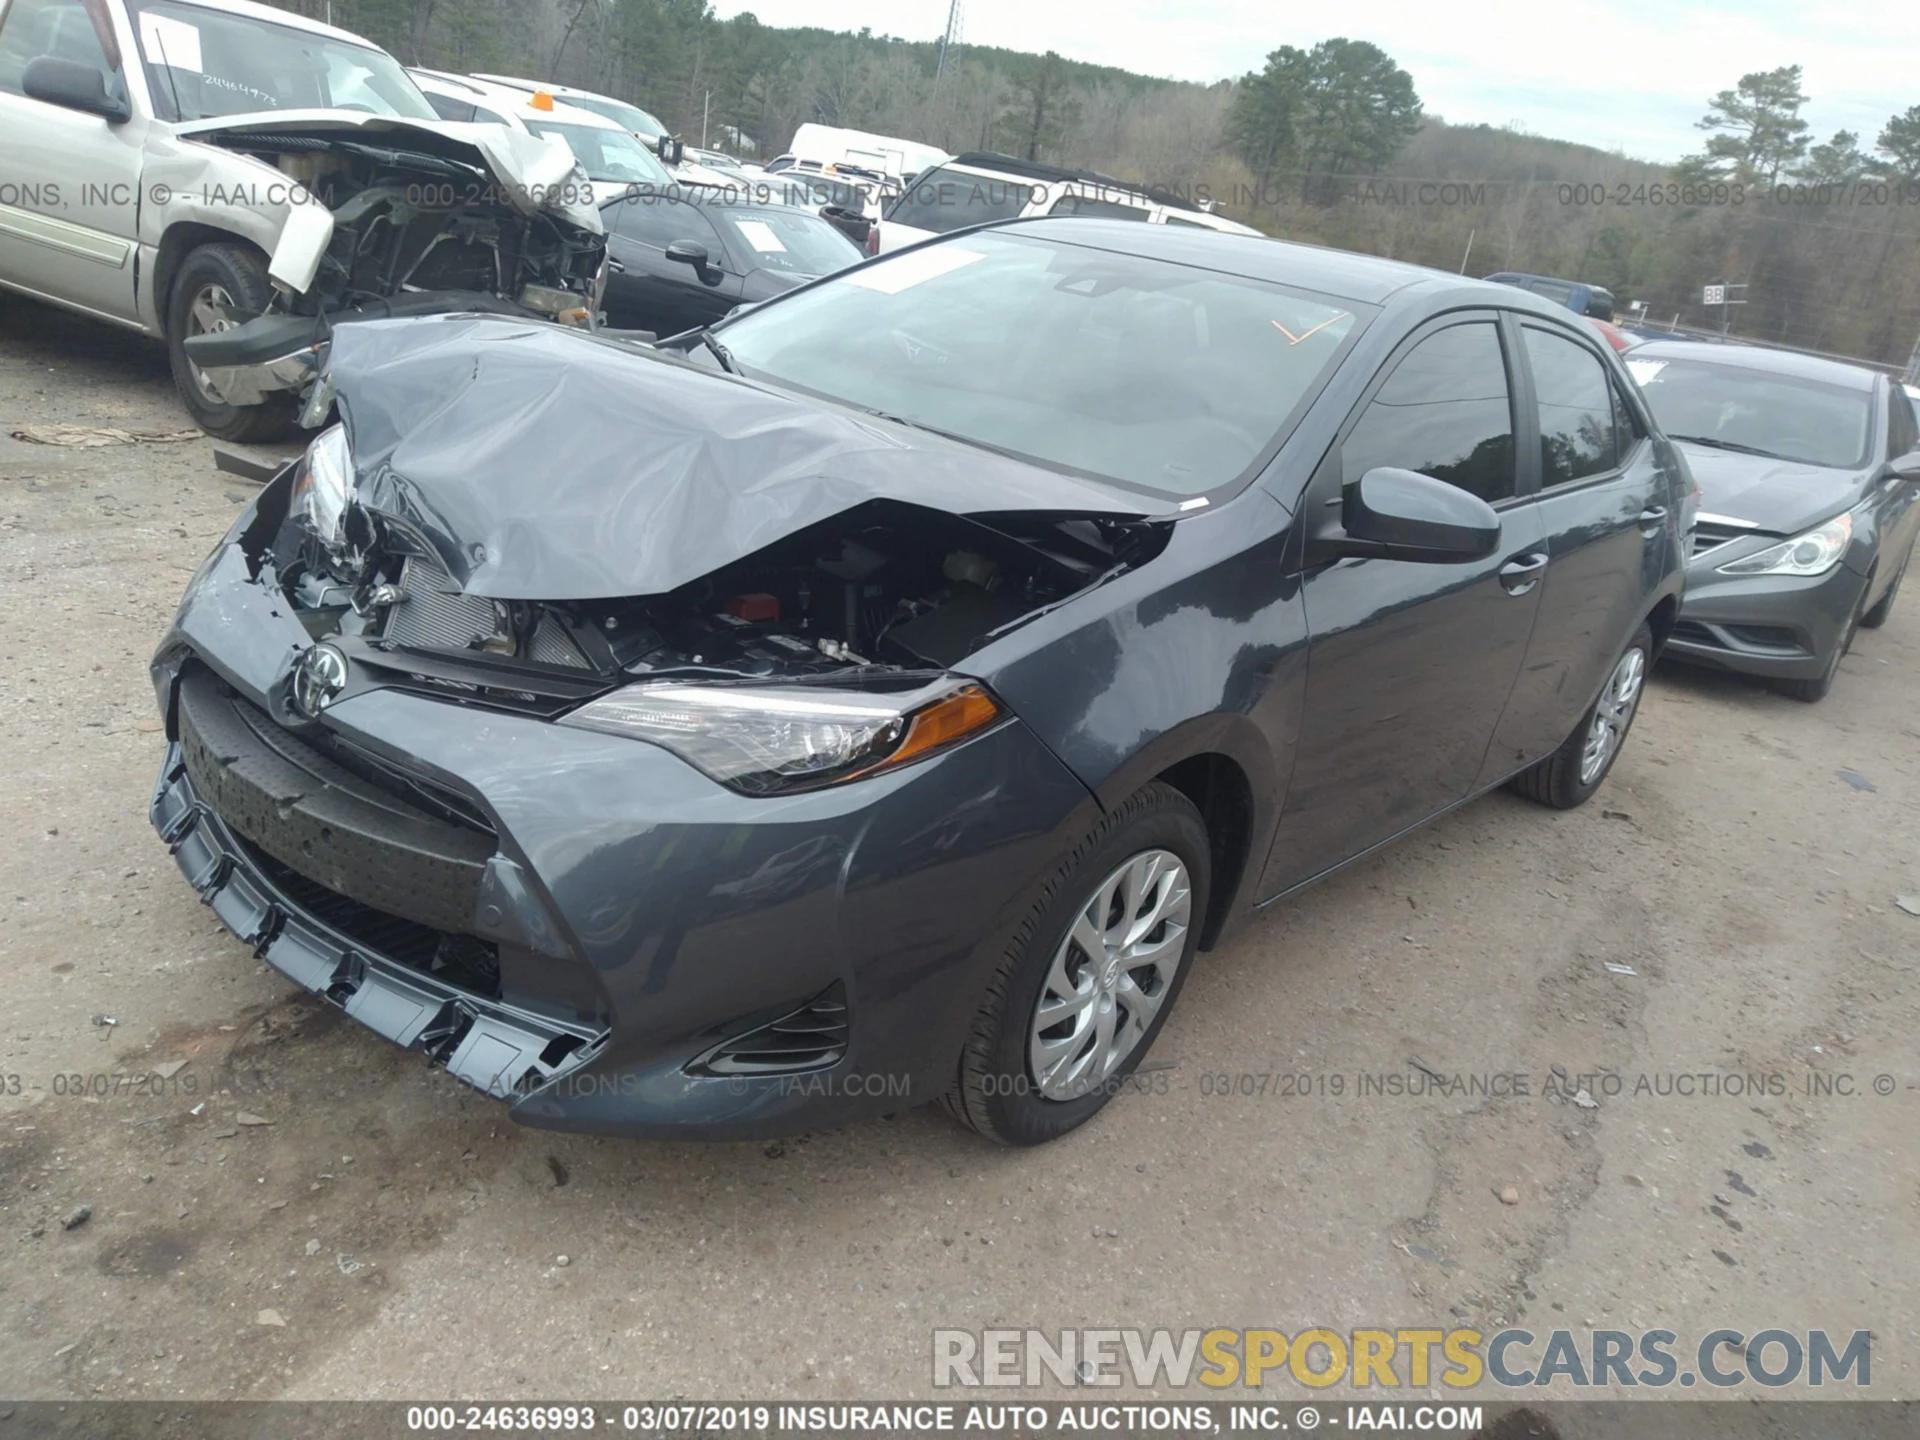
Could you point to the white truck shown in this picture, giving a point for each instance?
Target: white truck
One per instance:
(826, 149)
(237, 181)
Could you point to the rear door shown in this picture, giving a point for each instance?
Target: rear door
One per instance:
(1611, 529)
(1410, 665)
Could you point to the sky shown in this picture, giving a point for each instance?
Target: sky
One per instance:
(1626, 75)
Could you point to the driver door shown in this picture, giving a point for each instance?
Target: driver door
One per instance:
(69, 220)
(1409, 665)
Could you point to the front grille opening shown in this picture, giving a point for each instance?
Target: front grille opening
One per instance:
(1696, 633)
(812, 1037)
(464, 961)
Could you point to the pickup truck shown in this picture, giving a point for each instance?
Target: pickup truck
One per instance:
(237, 181)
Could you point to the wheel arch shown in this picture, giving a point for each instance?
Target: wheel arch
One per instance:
(180, 241)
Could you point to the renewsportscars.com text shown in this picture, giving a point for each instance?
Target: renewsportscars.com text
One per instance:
(1513, 1358)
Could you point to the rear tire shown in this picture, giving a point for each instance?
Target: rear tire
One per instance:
(1134, 890)
(212, 279)
(1568, 777)
(1883, 607)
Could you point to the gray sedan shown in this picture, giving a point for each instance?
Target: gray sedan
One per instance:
(1807, 470)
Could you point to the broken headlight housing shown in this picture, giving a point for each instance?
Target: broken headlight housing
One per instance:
(1812, 553)
(769, 739)
(323, 484)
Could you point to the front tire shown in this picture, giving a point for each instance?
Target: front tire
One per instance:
(1091, 975)
(214, 280)
(1568, 777)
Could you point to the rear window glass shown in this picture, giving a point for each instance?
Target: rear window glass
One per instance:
(948, 199)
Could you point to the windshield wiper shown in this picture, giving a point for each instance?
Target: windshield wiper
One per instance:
(1732, 445)
(720, 352)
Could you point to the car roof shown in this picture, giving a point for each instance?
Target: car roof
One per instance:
(1342, 274)
(282, 17)
(518, 103)
(1762, 358)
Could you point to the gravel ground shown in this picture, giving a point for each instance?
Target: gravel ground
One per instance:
(401, 1239)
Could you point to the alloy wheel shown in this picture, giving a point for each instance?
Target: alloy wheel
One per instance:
(1110, 975)
(210, 312)
(1612, 714)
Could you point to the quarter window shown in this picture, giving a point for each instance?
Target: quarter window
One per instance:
(1445, 412)
(1576, 409)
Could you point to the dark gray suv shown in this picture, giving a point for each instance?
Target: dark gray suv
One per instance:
(883, 696)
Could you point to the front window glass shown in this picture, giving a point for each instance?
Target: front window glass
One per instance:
(1443, 412)
(203, 64)
(1732, 407)
(632, 117)
(789, 240)
(611, 155)
(1158, 375)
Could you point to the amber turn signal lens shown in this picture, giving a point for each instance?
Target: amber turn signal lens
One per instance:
(954, 717)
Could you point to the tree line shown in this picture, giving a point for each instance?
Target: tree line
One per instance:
(1328, 144)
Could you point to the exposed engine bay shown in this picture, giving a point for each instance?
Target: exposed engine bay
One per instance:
(405, 221)
(887, 586)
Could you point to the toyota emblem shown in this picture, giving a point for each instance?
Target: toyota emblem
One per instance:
(318, 678)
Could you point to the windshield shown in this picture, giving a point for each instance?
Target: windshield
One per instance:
(607, 154)
(631, 117)
(793, 241)
(202, 64)
(1157, 375)
(1735, 408)
(948, 199)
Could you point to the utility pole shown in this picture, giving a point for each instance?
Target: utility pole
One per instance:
(706, 107)
(948, 41)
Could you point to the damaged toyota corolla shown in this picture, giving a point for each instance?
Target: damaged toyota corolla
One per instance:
(881, 697)
(241, 182)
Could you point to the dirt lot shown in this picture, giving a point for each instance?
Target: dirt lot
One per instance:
(414, 1243)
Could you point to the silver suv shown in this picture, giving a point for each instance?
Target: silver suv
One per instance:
(238, 180)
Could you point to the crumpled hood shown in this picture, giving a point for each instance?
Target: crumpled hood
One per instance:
(534, 172)
(1781, 496)
(545, 464)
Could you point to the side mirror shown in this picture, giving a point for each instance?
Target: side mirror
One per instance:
(671, 150)
(72, 86)
(692, 252)
(1392, 514)
(1906, 466)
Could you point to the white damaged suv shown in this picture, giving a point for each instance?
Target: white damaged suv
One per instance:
(238, 180)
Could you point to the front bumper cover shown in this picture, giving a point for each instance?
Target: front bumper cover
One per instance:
(1769, 625)
(642, 914)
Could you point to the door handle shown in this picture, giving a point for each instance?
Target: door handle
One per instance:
(1652, 518)
(615, 267)
(1522, 573)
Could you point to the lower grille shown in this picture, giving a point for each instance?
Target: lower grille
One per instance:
(810, 1038)
(324, 822)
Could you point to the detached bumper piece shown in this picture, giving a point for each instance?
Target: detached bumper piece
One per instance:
(422, 987)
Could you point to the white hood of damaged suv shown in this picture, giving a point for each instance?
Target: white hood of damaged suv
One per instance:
(530, 173)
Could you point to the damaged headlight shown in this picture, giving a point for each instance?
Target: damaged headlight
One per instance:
(322, 485)
(1814, 553)
(767, 739)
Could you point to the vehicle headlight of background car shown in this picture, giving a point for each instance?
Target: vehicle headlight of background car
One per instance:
(1813, 552)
